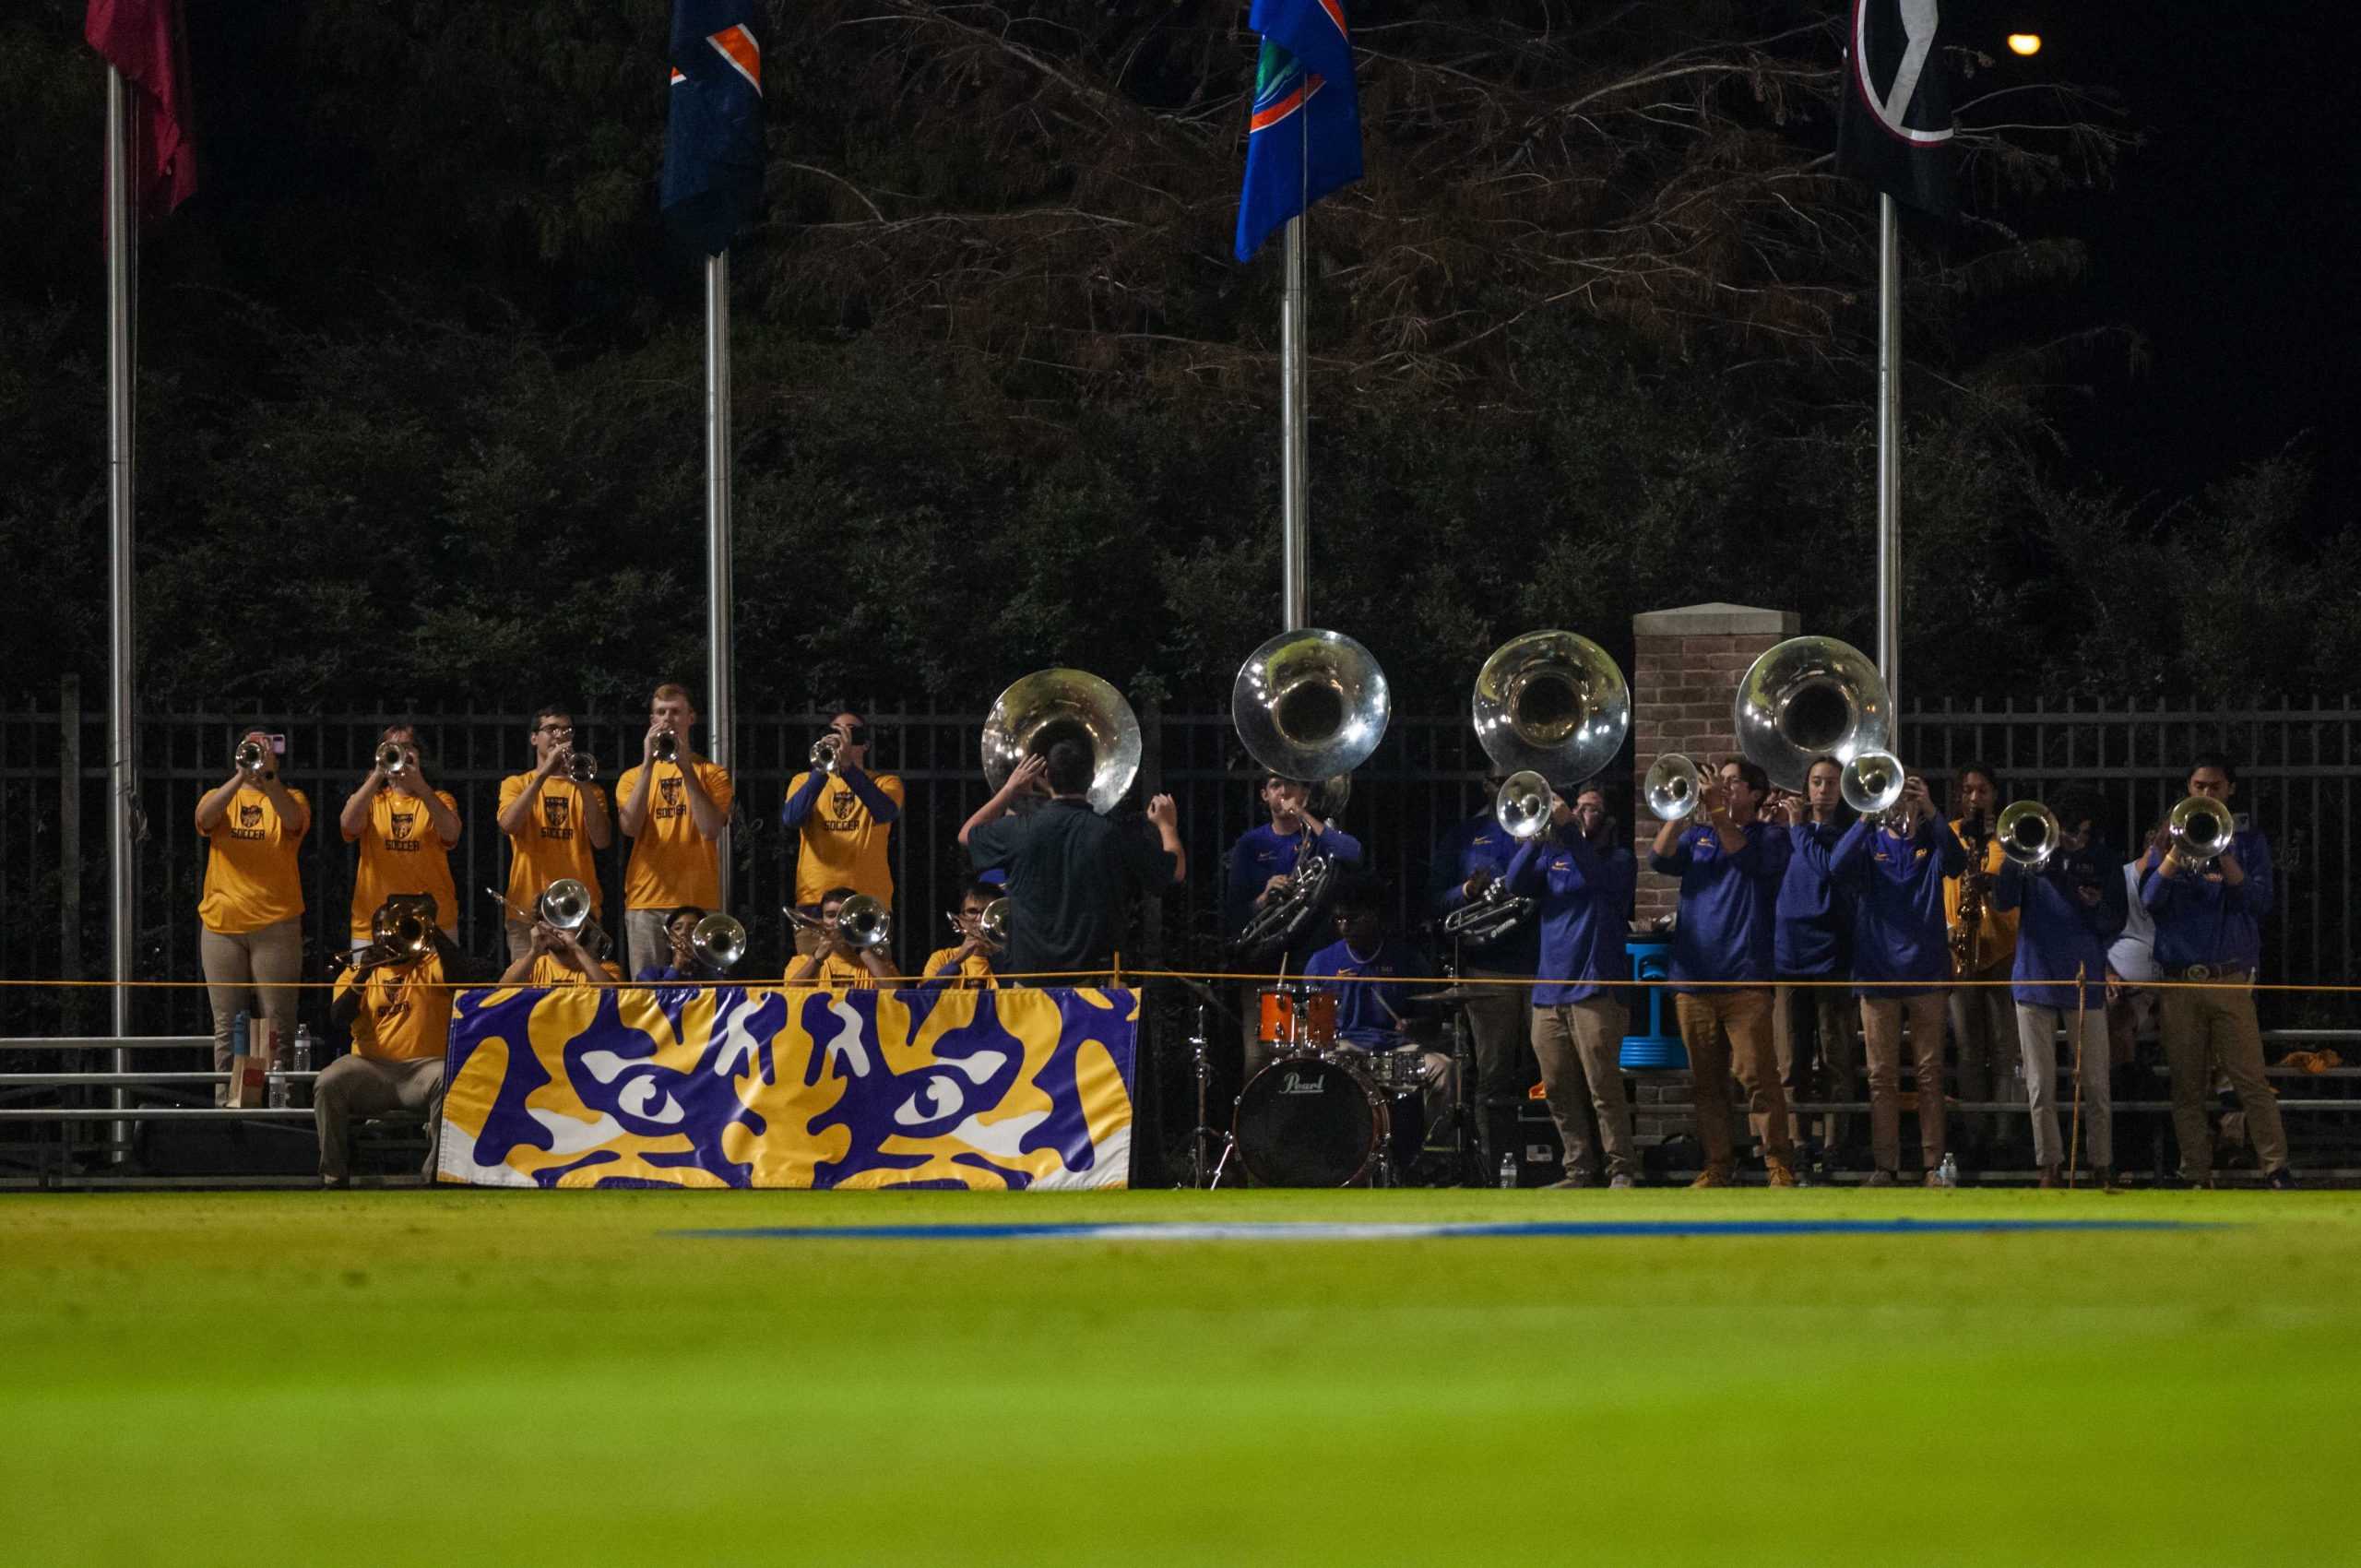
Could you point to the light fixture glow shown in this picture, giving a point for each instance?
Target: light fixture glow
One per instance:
(2024, 43)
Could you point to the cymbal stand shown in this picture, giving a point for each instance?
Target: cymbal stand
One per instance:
(1463, 1063)
(1202, 1141)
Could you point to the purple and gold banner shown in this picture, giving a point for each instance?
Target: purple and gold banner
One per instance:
(763, 1086)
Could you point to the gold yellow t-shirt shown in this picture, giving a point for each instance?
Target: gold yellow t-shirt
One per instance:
(405, 1010)
(842, 845)
(400, 852)
(1996, 941)
(550, 969)
(975, 970)
(251, 878)
(553, 844)
(671, 863)
(838, 973)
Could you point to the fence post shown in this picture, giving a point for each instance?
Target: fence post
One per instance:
(69, 847)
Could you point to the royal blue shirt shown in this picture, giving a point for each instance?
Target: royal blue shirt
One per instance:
(1727, 904)
(799, 805)
(2202, 919)
(1263, 853)
(2059, 934)
(1815, 914)
(1583, 896)
(1367, 1012)
(1899, 929)
(1482, 844)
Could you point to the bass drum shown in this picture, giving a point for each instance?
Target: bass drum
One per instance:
(1310, 1121)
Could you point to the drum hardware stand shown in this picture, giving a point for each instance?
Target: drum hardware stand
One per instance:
(1202, 1141)
(1464, 1079)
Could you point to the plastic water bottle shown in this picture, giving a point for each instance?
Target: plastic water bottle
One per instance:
(1508, 1170)
(278, 1090)
(1947, 1174)
(300, 1094)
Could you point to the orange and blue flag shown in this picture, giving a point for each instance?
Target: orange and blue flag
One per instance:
(1303, 138)
(713, 143)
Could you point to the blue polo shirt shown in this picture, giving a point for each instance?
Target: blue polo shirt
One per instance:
(1584, 897)
(1727, 905)
(2204, 919)
(1899, 929)
(1814, 937)
(1263, 853)
(2058, 932)
(1482, 844)
(1361, 1009)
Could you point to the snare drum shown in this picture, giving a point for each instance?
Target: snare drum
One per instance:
(1297, 1018)
(1310, 1121)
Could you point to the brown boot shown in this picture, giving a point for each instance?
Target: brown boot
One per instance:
(1780, 1175)
(2049, 1176)
(1712, 1176)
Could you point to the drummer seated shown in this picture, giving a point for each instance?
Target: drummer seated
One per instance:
(1372, 975)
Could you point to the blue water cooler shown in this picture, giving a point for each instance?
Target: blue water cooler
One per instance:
(1659, 1049)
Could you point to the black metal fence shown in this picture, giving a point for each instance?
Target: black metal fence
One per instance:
(2298, 770)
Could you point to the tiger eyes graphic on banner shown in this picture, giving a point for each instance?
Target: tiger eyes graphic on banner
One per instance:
(767, 1087)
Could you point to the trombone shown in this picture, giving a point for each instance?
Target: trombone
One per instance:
(2027, 832)
(863, 924)
(992, 925)
(719, 941)
(2201, 829)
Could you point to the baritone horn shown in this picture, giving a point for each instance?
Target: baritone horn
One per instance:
(2027, 831)
(1310, 704)
(1674, 788)
(1810, 697)
(719, 940)
(2200, 828)
(1039, 710)
(1551, 703)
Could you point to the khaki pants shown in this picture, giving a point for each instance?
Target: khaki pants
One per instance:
(252, 964)
(1883, 1019)
(2206, 1027)
(1726, 1028)
(357, 1087)
(1816, 1019)
(2037, 1032)
(520, 937)
(2130, 1019)
(1498, 1038)
(1984, 1026)
(1579, 1046)
(645, 942)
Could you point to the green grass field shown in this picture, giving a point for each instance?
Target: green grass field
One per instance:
(458, 1377)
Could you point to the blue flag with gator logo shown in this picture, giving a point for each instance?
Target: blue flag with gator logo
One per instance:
(713, 142)
(1303, 138)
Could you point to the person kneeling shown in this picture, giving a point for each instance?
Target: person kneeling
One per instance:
(838, 964)
(396, 999)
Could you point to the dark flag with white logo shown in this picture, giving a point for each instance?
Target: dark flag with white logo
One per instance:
(1894, 129)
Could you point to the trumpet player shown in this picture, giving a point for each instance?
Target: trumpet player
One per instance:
(1895, 867)
(405, 829)
(1983, 951)
(396, 999)
(843, 819)
(2071, 906)
(673, 807)
(1814, 944)
(250, 936)
(835, 964)
(2209, 937)
(556, 825)
(967, 965)
(1729, 865)
(1469, 864)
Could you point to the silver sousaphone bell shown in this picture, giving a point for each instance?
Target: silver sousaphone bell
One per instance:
(1810, 697)
(1551, 703)
(1310, 704)
(1050, 706)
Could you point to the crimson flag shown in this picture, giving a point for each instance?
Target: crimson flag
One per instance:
(142, 39)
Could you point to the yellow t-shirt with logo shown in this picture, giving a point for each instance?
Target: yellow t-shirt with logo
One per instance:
(838, 973)
(843, 845)
(1996, 941)
(400, 852)
(671, 863)
(551, 970)
(405, 1010)
(251, 878)
(975, 970)
(553, 844)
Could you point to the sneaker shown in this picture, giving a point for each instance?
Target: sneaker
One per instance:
(1568, 1184)
(1781, 1176)
(1880, 1179)
(1934, 1178)
(2281, 1180)
(1618, 1182)
(1711, 1177)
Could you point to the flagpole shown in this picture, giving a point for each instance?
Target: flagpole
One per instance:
(719, 715)
(1295, 524)
(1889, 451)
(123, 240)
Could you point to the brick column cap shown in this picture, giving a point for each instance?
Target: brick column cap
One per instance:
(1717, 620)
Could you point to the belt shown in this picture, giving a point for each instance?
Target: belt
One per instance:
(2209, 972)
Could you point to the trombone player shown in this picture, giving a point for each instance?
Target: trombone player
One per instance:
(839, 962)
(2209, 893)
(395, 997)
(556, 822)
(843, 819)
(565, 944)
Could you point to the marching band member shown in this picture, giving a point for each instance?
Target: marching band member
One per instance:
(1471, 858)
(1071, 871)
(1984, 948)
(250, 930)
(835, 964)
(405, 829)
(560, 957)
(555, 827)
(2070, 910)
(1814, 942)
(398, 1010)
(844, 824)
(1896, 877)
(680, 927)
(1370, 1011)
(1730, 867)
(1582, 881)
(1262, 864)
(673, 811)
(2209, 929)
(967, 965)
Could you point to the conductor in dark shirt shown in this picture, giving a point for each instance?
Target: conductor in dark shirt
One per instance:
(1071, 871)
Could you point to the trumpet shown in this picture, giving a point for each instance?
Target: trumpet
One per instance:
(253, 757)
(581, 767)
(394, 759)
(1674, 788)
(1523, 805)
(667, 747)
(2200, 828)
(825, 752)
(720, 941)
(2028, 834)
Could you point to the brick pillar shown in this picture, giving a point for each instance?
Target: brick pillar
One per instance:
(1686, 668)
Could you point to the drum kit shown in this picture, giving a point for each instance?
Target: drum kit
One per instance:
(1325, 1112)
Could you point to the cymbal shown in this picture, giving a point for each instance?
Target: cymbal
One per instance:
(1451, 993)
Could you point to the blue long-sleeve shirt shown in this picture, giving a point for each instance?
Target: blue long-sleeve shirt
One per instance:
(1261, 854)
(1482, 844)
(2202, 919)
(1583, 897)
(1814, 939)
(797, 805)
(1367, 1012)
(2059, 933)
(1728, 904)
(1899, 931)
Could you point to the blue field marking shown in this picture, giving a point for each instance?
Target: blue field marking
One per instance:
(1375, 1231)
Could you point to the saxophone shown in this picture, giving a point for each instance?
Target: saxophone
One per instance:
(1967, 932)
